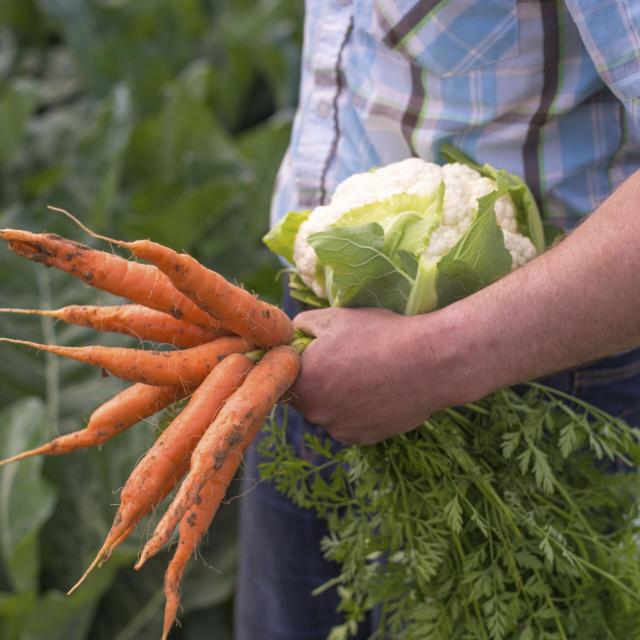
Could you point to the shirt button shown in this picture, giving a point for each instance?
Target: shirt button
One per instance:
(324, 109)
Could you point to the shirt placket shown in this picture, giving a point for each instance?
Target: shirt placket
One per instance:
(320, 130)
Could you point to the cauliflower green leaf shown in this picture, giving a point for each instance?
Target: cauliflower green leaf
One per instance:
(301, 292)
(280, 239)
(357, 270)
(386, 212)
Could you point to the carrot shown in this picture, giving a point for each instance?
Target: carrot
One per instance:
(131, 405)
(139, 283)
(132, 320)
(168, 459)
(124, 534)
(236, 308)
(193, 526)
(185, 368)
(230, 433)
(162, 494)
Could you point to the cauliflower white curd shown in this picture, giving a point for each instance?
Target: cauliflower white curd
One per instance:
(463, 187)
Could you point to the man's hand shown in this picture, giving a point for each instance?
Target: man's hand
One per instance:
(360, 377)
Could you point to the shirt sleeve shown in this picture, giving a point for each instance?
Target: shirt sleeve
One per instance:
(611, 34)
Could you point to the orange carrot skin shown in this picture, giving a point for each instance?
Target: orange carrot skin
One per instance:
(124, 533)
(186, 367)
(168, 459)
(125, 409)
(234, 428)
(145, 324)
(139, 283)
(193, 526)
(139, 322)
(236, 308)
(131, 405)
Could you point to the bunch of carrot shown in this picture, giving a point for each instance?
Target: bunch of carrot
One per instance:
(234, 361)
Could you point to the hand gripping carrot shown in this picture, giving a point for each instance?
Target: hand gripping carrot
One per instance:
(237, 309)
(125, 409)
(133, 320)
(141, 283)
(230, 434)
(168, 459)
(186, 367)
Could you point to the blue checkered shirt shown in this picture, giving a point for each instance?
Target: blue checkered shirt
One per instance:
(549, 90)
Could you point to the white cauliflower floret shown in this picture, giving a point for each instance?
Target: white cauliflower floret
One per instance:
(520, 248)
(442, 241)
(463, 187)
(506, 214)
(407, 176)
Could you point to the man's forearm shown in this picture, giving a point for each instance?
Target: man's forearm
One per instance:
(577, 302)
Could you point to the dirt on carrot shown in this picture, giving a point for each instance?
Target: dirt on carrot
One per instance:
(133, 320)
(183, 368)
(238, 310)
(125, 409)
(193, 526)
(141, 283)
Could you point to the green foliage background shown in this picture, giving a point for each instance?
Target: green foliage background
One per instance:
(147, 118)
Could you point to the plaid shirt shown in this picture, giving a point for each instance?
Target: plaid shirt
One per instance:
(549, 90)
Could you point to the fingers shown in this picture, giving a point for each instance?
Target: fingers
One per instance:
(333, 320)
(314, 323)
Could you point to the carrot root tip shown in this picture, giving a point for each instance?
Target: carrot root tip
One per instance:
(85, 575)
(143, 558)
(104, 551)
(17, 457)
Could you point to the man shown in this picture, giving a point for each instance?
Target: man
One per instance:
(547, 90)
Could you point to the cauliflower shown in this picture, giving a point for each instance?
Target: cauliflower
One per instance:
(463, 186)
(411, 237)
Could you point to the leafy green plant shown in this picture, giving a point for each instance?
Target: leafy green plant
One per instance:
(488, 522)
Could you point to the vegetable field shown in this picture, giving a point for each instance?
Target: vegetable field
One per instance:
(161, 118)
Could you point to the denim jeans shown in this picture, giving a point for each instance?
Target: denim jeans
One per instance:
(280, 558)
